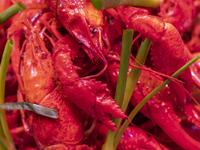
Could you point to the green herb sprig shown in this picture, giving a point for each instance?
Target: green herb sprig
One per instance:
(11, 11)
(127, 85)
(105, 4)
(127, 39)
(6, 141)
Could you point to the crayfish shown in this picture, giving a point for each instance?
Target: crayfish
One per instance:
(66, 56)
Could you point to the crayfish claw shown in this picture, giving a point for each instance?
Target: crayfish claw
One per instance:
(107, 122)
(106, 107)
(93, 98)
(112, 108)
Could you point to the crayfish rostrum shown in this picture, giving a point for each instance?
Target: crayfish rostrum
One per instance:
(66, 56)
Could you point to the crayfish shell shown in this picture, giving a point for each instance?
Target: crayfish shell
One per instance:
(68, 129)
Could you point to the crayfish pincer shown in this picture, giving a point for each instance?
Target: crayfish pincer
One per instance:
(167, 42)
(90, 95)
(83, 22)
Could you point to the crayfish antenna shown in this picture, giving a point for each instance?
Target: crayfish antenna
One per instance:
(101, 72)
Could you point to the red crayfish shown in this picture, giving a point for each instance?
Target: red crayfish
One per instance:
(56, 82)
(166, 40)
(65, 57)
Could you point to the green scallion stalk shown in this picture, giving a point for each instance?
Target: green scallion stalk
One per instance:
(135, 73)
(3, 70)
(11, 11)
(133, 77)
(149, 96)
(121, 83)
(109, 143)
(105, 4)
(124, 64)
(5, 145)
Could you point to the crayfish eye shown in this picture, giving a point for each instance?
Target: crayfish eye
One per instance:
(22, 56)
(80, 43)
(94, 31)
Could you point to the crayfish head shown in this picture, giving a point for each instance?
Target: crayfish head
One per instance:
(38, 73)
(85, 23)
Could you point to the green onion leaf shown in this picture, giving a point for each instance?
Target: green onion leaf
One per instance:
(11, 11)
(133, 77)
(42, 110)
(124, 64)
(121, 83)
(4, 130)
(149, 96)
(105, 4)
(135, 73)
(4, 143)
(3, 69)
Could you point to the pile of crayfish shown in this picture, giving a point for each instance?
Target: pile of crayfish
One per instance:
(66, 56)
